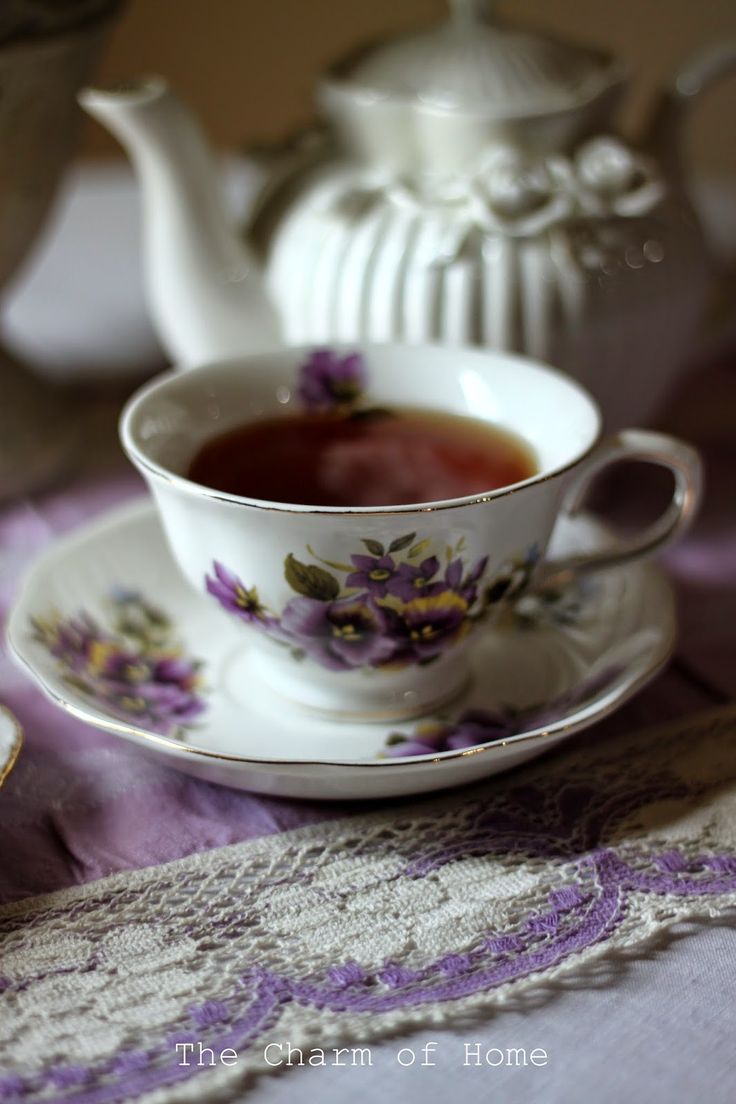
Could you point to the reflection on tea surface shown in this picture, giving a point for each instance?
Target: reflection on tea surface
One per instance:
(371, 457)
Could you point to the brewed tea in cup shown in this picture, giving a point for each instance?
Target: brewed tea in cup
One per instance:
(375, 456)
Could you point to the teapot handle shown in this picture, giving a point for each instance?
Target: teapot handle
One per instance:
(699, 73)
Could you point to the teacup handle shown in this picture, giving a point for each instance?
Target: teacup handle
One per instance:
(650, 447)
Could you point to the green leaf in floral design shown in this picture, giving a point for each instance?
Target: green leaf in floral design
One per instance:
(309, 580)
(330, 563)
(374, 547)
(418, 548)
(401, 543)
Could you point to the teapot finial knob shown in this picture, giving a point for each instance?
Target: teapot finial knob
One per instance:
(471, 11)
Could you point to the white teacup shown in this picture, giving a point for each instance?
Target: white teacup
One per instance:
(368, 612)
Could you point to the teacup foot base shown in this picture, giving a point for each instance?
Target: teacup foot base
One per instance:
(368, 697)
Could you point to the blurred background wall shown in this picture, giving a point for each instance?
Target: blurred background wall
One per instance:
(248, 66)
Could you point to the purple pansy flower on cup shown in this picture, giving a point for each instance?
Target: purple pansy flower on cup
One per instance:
(330, 380)
(416, 580)
(236, 598)
(394, 605)
(374, 573)
(429, 625)
(136, 670)
(465, 585)
(349, 632)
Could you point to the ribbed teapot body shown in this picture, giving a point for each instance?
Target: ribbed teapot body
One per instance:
(589, 263)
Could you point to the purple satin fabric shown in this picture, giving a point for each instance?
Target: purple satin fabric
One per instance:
(81, 804)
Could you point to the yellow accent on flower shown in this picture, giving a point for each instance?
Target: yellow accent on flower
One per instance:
(429, 616)
(448, 599)
(420, 608)
(429, 728)
(346, 632)
(247, 599)
(48, 628)
(99, 653)
(136, 672)
(133, 705)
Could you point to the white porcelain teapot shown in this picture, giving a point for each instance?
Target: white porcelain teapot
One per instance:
(471, 190)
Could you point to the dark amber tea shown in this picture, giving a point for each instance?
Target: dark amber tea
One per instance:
(370, 458)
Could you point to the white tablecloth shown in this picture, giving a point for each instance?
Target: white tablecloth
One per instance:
(656, 1030)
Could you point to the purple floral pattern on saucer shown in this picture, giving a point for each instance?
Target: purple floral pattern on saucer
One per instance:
(474, 727)
(135, 670)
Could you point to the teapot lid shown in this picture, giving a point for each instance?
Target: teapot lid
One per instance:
(470, 63)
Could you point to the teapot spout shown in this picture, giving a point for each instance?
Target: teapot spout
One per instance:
(205, 292)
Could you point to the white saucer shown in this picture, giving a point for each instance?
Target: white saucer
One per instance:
(555, 666)
(11, 738)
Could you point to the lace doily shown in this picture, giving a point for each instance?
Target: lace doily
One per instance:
(341, 933)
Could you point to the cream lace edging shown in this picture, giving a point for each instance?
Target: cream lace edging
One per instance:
(342, 933)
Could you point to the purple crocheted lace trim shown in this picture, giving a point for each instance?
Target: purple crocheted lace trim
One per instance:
(564, 826)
